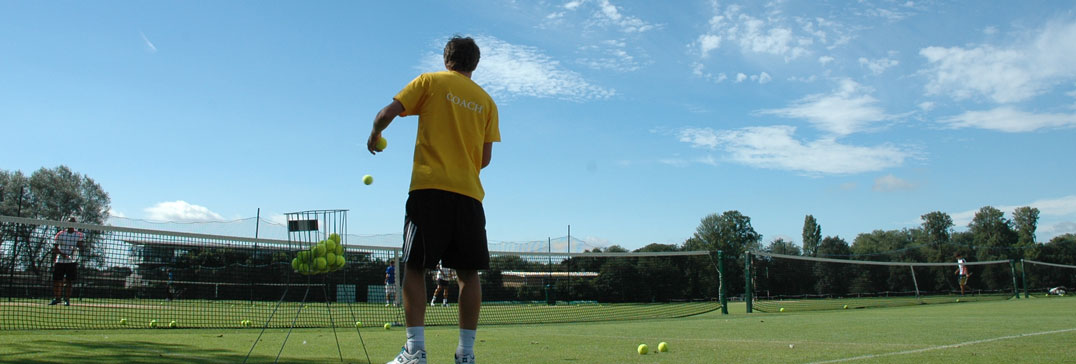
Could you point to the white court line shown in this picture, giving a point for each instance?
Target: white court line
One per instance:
(950, 346)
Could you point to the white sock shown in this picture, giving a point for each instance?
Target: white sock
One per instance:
(434, 300)
(466, 341)
(416, 339)
(444, 301)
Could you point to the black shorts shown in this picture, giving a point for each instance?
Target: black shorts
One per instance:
(447, 227)
(442, 283)
(62, 270)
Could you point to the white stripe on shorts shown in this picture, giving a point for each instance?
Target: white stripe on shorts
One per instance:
(409, 238)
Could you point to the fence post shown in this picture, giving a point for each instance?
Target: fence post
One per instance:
(1023, 277)
(723, 295)
(1015, 287)
(747, 280)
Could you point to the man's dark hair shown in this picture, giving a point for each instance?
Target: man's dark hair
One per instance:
(461, 54)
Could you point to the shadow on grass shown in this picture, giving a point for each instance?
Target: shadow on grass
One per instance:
(131, 352)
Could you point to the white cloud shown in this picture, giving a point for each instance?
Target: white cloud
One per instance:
(740, 77)
(514, 70)
(1004, 74)
(877, 66)
(762, 78)
(181, 211)
(990, 30)
(774, 147)
(609, 55)
(707, 43)
(765, 35)
(603, 14)
(114, 213)
(847, 110)
(825, 60)
(149, 45)
(926, 106)
(890, 183)
(1008, 119)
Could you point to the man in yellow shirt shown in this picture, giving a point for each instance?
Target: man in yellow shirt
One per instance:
(457, 125)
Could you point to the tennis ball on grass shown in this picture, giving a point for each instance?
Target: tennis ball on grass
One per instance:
(358, 323)
(643, 349)
(367, 179)
(173, 324)
(152, 323)
(123, 321)
(663, 347)
(381, 144)
(388, 326)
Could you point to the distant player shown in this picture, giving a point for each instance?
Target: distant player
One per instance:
(444, 221)
(1058, 291)
(66, 244)
(962, 272)
(445, 276)
(390, 284)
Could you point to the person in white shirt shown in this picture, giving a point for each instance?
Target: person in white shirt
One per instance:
(67, 246)
(445, 276)
(962, 272)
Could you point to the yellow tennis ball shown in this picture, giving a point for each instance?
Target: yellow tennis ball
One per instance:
(388, 326)
(123, 321)
(173, 324)
(320, 264)
(643, 349)
(340, 261)
(358, 323)
(782, 309)
(846, 307)
(335, 237)
(663, 347)
(381, 144)
(152, 323)
(367, 179)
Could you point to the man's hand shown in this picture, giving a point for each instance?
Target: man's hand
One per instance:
(382, 121)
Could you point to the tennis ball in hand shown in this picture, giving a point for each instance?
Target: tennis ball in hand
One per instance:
(643, 349)
(381, 144)
(367, 179)
(173, 324)
(388, 326)
(663, 347)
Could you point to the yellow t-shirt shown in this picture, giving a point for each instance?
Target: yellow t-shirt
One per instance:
(456, 117)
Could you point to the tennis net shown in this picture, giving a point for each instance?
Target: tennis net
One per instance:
(780, 283)
(130, 277)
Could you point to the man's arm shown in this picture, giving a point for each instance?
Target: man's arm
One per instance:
(382, 121)
(487, 154)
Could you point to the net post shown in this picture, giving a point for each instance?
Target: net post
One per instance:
(1012, 267)
(747, 280)
(722, 295)
(1023, 277)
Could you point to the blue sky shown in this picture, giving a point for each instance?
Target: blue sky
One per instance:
(628, 120)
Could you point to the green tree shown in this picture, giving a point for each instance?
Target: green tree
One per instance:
(782, 246)
(995, 239)
(730, 232)
(51, 194)
(1025, 220)
(832, 278)
(812, 236)
(938, 227)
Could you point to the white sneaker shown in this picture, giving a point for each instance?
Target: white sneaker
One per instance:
(465, 358)
(405, 358)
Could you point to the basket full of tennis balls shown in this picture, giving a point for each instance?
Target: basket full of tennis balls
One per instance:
(324, 257)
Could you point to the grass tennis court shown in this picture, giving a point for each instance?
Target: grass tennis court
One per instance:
(1039, 330)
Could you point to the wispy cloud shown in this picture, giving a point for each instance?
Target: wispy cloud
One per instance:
(848, 109)
(609, 55)
(149, 45)
(600, 14)
(775, 147)
(512, 70)
(890, 183)
(181, 211)
(877, 66)
(1010, 120)
(1004, 74)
